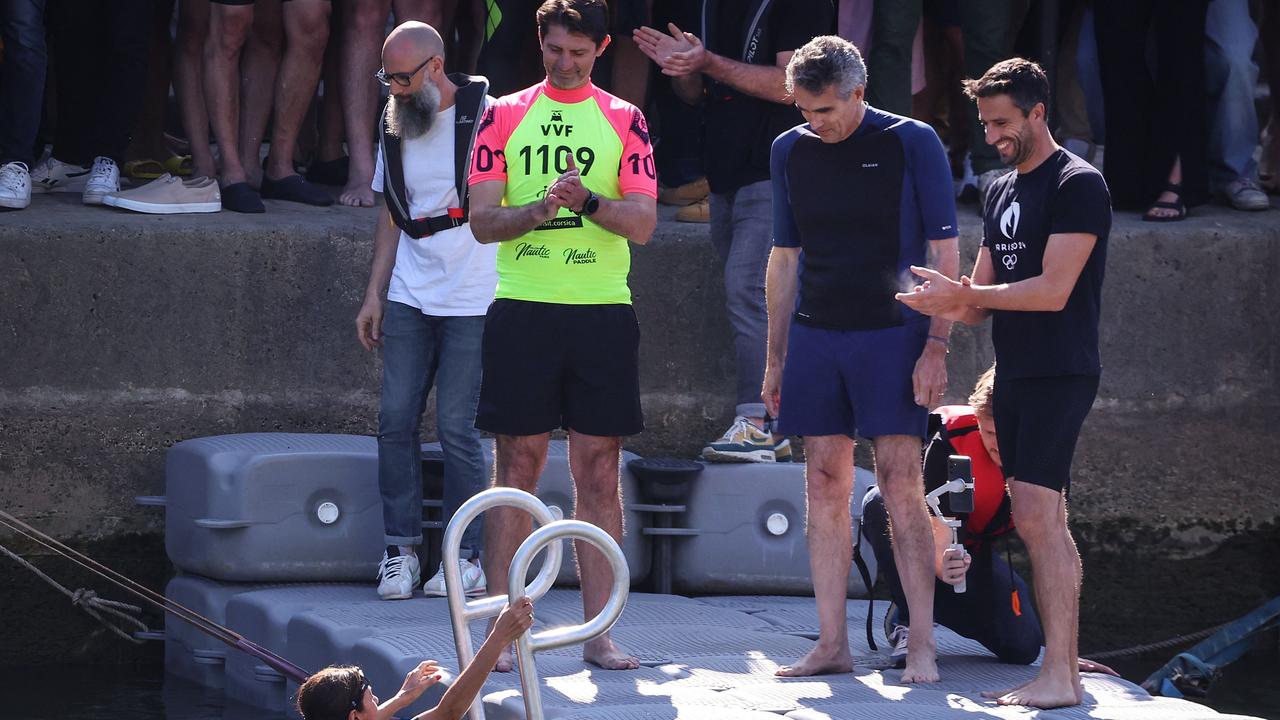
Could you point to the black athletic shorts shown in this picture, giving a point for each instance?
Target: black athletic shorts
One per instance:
(1038, 421)
(549, 366)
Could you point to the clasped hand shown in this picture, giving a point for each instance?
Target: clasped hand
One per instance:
(567, 191)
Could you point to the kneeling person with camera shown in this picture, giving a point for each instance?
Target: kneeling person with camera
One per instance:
(995, 607)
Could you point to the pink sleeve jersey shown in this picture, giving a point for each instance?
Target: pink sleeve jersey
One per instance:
(525, 140)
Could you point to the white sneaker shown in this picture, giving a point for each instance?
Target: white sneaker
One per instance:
(473, 581)
(52, 175)
(1246, 194)
(398, 575)
(103, 179)
(15, 186)
(898, 637)
(744, 442)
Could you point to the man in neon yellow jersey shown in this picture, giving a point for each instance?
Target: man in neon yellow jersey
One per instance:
(563, 178)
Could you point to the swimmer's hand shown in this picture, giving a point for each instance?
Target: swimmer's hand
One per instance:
(1087, 665)
(418, 680)
(514, 621)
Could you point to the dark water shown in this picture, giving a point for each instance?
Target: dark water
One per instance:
(1249, 687)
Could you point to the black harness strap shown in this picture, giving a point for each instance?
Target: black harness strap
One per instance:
(469, 102)
(868, 583)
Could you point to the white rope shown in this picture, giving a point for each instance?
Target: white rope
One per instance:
(89, 601)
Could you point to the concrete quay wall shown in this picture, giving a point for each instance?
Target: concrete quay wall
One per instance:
(122, 334)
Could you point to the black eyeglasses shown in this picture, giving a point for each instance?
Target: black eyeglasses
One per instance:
(401, 79)
(357, 702)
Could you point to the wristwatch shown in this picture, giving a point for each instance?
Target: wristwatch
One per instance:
(590, 205)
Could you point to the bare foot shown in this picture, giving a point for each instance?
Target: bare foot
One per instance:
(506, 663)
(921, 669)
(922, 660)
(819, 661)
(1001, 693)
(601, 652)
(1044, 693)
(357, 193)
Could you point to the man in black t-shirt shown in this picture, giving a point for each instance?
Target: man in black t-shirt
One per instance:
(735, 66)
(1039, 274)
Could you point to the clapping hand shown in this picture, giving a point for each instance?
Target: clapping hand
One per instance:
(936, 296)
(678, 53)
(659, 46)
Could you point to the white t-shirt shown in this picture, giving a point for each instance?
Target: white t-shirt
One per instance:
(447, 273)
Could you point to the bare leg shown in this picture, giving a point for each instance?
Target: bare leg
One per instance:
(1040, 515)
(900, 481)
(828, 478)
(470, 30)
(306, 28)
(421, 10)
(331, 126)
(188, 69)
(593, 462)
(519, 464)
(361, 51)
(434, 15)
(229, 27)
(259, 69)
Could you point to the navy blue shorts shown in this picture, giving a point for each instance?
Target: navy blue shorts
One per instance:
(852, 382)
(1038, 421)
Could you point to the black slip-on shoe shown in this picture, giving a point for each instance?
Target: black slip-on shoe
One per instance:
(329, 172)
(239, 197)
(295, 188)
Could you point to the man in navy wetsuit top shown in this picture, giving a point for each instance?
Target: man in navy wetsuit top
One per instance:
(859, 196)
(1039, 275)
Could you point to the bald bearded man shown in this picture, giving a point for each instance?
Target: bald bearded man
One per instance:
(428, 290)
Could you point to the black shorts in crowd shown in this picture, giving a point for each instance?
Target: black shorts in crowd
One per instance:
(549, 366)
(1038, 422)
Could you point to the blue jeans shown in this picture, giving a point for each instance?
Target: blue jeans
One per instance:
(22, 78)
(420, 350)
(1089, 76)
(742, 233)
(1230, 76)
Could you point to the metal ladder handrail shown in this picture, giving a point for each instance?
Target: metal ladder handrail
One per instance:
(550, 532)
(528, 643)
(461, 610)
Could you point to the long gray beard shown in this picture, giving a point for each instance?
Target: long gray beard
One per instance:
(412, 117)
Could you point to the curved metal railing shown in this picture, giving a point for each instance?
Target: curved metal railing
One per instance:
(529, 643)
(550, 532)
